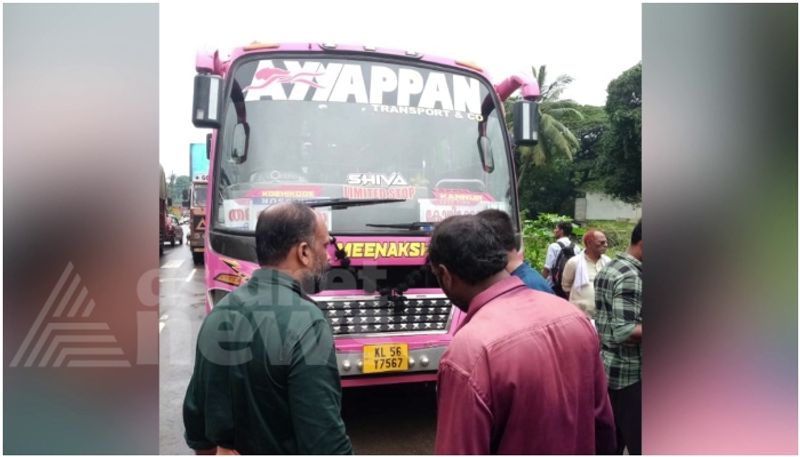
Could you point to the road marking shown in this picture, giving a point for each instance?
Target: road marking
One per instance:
(173, 264)
(161, 326)
(189, 278)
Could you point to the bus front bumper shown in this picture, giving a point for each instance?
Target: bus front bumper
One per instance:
(423, 364)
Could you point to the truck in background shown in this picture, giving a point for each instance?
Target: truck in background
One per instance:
(198, 173)
(162, 210)
(197, 219)
(385, 144)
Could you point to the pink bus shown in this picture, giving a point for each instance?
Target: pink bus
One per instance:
(385, 144)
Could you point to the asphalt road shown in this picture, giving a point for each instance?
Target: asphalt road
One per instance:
(399, 419)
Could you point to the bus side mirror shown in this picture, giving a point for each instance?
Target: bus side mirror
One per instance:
(207, 101)
(526, 123)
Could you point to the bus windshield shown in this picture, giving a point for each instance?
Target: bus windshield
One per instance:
(311, 129)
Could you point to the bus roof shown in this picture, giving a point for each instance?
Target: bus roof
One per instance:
(207, 62)
(211, 62)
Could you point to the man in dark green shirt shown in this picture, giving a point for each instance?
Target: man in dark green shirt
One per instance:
(265, 379)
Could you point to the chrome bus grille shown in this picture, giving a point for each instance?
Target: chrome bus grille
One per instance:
(360, 315)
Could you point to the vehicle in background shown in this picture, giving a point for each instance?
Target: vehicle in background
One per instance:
(197, 222)
(384, 144)
(162, 210)
(174, 232)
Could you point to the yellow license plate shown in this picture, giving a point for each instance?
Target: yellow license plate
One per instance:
(379, 358)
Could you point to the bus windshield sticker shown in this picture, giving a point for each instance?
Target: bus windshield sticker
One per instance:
(287, 192)
(388, 88)
(432, 210)
(242, 213)
(377, 185)
(460, 197)
(236, 213)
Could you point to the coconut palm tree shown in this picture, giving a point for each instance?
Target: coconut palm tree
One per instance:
(553, 91)
(555, 139)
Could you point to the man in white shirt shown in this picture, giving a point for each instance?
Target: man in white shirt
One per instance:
(580, 271)
(562, 233)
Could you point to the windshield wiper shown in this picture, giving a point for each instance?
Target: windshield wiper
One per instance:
(343, 203)
(424, 226)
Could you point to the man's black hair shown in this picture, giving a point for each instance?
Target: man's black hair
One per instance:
(565, 227)
(468, 247)
(502, 227)
(636, 235)
(281, 228)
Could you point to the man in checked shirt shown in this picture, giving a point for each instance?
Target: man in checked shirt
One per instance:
(618, 297)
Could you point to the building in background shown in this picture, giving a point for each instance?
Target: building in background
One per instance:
(601, 207)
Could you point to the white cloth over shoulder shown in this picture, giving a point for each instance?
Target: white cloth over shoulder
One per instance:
(582, 271)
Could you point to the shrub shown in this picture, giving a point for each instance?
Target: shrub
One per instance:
(537, 234)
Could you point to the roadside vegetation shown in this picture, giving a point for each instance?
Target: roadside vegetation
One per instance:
(537, 234)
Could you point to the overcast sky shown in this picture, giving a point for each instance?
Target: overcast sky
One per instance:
(592, 41)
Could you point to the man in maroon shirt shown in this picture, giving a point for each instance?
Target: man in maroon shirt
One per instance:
(523, 374)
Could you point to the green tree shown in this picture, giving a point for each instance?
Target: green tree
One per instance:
(549, 179)
(620, 163)
(550, 92)
(176, 186)
(552, 187)
(589, 130)
(543, 172)
(555, 138)
(547, 188)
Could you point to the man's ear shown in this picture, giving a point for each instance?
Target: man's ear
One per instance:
(304, 254)
(445, 277)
